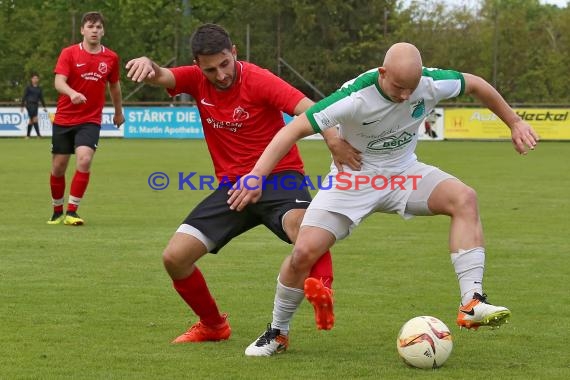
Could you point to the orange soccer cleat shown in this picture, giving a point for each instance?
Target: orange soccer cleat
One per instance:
(321, 298)
(199, 332)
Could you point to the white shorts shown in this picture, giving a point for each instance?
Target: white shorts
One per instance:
(353, 196)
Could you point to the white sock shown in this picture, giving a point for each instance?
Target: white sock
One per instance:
(469, 266)
(287, 301)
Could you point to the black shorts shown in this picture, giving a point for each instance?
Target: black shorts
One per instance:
(64, 140)
(214, 218)
(32, 110)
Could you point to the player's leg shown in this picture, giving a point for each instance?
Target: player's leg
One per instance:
(322, 271)
(57, 186)
(453, 198)
(338, 227)
(208, 228)
(62, 147)
(329, 218)
(33, 113)
(30, 121)
(438, 193)
(317, 286)
(37, 127)
(179, 258)
(33, 120)
(289, 294)
(86, 140)
(282, 207)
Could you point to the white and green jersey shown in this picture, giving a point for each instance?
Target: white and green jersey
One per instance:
(384, 131)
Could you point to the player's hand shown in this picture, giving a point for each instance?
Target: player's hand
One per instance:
(78, 98)
(140, 69)
(344, 154)
(245, 191)
(118, 119)
(524, 138)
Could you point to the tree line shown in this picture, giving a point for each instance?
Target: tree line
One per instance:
(522, 47)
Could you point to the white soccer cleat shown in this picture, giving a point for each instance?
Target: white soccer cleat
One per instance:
(269, 343)
(480, 313)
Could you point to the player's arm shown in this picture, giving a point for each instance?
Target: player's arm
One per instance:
(248, 188)
(60, 83)
(24, 98)
(342, 152)
(522, 134)
(42, 100)
(117, 99)
(303, 105)
(144, 69)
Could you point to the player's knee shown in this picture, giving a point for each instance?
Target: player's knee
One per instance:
(465, 201)
(58, 168)
(172, 259)
(84, 163)
(292, 223)
(303, 258)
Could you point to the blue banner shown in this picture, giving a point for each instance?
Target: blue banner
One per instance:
(163, 122)
(9, 121)
(140, 122)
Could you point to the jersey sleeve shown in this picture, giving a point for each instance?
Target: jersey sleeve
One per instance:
(25, 97)
(42, 98)
(330, 111)
(115, 74)
(187, 79)
(63, 63)
(447, 83)
(277, 92)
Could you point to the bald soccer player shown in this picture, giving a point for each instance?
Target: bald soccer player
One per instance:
(379, 113)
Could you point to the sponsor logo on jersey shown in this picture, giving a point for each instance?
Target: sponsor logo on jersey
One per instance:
(103, 68)
(204, 102)
(418, 109)
(389, 143)
(240, 114)
(91, 76)
(233, 126)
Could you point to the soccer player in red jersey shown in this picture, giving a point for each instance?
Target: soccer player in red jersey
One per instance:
(81, 76)
(241, 107)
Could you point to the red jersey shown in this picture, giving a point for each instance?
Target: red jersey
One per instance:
(88, 74)
(240, 122)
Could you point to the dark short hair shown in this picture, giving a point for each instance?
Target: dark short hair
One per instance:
(209, 39)
(34, 74)
(92, 17)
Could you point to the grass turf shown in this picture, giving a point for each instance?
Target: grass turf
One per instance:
(94, 302)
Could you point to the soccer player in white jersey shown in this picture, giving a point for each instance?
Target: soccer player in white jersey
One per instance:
(379, 113)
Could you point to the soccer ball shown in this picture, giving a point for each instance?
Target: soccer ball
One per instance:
(424, 342)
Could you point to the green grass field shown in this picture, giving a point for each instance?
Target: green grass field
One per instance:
(94, 302)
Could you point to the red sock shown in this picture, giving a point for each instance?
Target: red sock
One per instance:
(57, 186)
(78, 187)
(194, 291)
(323, 269)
